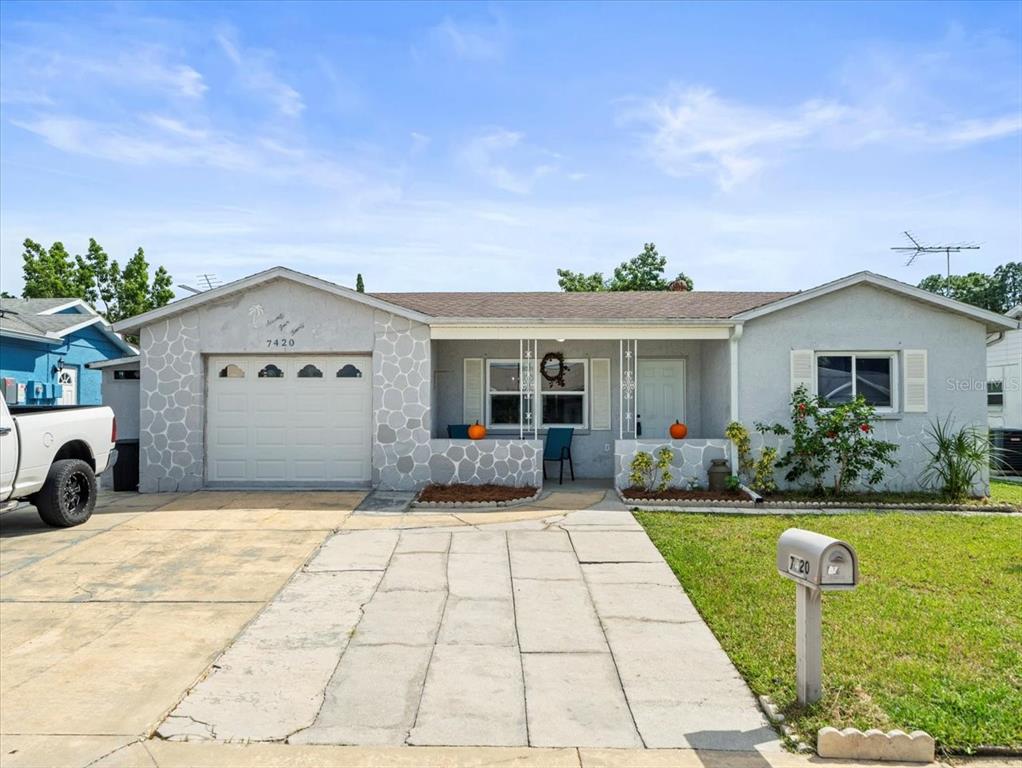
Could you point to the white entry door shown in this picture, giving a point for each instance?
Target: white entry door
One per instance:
(661, 398)
(289, 420)
(68, 379)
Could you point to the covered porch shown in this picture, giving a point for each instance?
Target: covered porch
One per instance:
(618, 389)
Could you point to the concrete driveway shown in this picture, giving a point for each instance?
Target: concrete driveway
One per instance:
(168, 626)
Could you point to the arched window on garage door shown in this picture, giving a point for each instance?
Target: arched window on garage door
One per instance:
(349, 371)
(310, 372)
(270, 371)
(231, 371)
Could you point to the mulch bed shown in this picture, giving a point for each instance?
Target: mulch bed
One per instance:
(679, 494)
(461, 492)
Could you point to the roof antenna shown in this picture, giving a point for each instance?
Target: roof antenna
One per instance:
(917, 248)
(211, 281)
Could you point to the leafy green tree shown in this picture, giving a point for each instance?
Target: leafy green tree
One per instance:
(998, 292)
(645, 272)
(360, 285)
(95, 278)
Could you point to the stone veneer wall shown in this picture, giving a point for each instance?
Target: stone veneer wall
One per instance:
(691, 458)
(171, 406)
(401, 403)
(501, 461)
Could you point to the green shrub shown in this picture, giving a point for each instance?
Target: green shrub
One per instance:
(650, 474)
(957, 457)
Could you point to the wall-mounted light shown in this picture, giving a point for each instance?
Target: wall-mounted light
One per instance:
(59, 366)
(559, 341)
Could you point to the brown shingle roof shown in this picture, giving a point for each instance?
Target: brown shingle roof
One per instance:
(554, 305)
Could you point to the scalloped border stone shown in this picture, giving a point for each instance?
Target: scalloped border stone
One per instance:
(477, 504)
(687, 502)
(874, 744)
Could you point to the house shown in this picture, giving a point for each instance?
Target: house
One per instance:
(45, 346)
(1004, 377)
(282, 379)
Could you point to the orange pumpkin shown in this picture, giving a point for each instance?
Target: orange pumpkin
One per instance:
(477, 431)
(678, 430)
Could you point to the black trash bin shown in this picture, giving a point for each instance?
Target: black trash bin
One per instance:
(126, 468)
(1007, 450)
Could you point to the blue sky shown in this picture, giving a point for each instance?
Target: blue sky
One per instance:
(480, 146)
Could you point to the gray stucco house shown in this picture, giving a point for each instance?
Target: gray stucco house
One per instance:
(285, 380)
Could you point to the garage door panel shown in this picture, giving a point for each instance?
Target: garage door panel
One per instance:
(305, 429)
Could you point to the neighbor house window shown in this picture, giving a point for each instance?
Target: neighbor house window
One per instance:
(995, 394)
(564, 406)
(122, 375)
(841, 377)
(503, 402)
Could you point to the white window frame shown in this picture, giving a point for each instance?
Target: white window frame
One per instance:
(997, 378)
(488, 394)
(869, 355)
(554, 393)
(538, 394)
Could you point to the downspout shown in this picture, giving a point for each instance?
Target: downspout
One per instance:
(736, 335)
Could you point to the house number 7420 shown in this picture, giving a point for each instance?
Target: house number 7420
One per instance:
(280, 342)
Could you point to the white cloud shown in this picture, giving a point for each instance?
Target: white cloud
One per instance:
(694, 131)
(255, 69)
(494, 155)
(471, 41)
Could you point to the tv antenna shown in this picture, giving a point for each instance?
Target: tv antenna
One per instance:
(917, 249)
(208, 280)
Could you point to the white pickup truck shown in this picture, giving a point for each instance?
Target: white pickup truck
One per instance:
(50, 457)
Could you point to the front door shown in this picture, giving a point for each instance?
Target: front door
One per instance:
(68, 379)
(661, 396)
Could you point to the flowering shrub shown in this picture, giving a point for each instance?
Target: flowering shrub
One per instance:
(650, 474)
(759, 473)
(836, 439)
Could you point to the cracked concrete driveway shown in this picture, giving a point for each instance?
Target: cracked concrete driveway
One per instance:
(572, 634)
(168, 627)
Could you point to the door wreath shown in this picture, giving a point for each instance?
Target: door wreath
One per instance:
(557, 377)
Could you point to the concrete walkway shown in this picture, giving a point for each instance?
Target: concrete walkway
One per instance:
(573, 635)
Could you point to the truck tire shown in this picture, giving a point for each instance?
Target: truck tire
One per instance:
(69, 494)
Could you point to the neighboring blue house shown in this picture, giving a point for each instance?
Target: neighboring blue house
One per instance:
(45, 345)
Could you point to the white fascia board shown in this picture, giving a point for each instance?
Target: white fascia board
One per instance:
(116, 361)
(132, 324)
(40, 339)
(103, 327)
(577, 331)
(77, 303)
(992, 320)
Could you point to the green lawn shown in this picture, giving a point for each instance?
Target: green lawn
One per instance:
(931, 639)
(1003, 492)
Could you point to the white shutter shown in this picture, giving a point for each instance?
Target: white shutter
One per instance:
(599, 397)
(915, 380)
(472, 391)
(802, 369)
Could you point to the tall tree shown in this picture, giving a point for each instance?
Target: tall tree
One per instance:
(998, 292)
(360, 285)
(644, 272)
(95, 278)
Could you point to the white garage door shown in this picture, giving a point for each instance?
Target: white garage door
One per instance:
(289, 420)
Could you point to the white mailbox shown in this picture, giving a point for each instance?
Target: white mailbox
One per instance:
(817, 561)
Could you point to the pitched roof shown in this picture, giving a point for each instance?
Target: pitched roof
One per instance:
(612, 305)
(20, 317)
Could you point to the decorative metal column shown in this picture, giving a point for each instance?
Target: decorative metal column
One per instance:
(527, 422)
(628, 379)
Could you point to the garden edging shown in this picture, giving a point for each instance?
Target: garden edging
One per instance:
(477, 504)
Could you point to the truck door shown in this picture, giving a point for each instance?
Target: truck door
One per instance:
(8, 451)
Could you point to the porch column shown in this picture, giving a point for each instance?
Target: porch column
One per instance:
(627, 382)
(527, 350)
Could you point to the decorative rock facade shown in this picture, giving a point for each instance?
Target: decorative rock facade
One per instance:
(691, 458)
(507, 462)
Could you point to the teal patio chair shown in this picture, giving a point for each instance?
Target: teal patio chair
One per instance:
(457, 431)
(558, 448)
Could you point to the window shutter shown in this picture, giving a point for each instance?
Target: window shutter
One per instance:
(599, 399)
(472, 391)
(802, 370)
(915, 380)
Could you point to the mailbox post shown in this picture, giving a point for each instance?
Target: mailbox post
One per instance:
(815, 563)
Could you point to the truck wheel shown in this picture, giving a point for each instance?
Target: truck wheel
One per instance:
(69, 494)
